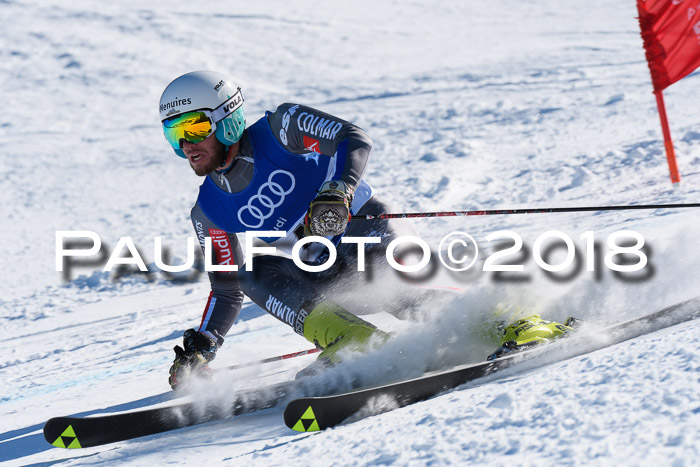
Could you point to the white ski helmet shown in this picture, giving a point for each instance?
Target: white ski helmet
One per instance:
(200, 103)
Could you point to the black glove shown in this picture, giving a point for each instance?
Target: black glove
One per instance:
(193, 359)
(329, 212)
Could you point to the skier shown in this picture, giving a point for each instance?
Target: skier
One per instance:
(297, 171)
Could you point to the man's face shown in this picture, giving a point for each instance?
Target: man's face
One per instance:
(205, 156)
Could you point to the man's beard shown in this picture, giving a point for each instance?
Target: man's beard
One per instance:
(211, 165)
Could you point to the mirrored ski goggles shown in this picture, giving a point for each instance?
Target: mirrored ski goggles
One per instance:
(198, 125)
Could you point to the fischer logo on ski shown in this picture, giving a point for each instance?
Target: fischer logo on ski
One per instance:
(68, 439)
(307, 422)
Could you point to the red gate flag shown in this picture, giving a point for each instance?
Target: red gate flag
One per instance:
(671, 33)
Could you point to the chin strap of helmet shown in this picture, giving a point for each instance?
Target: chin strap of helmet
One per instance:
(229, 157)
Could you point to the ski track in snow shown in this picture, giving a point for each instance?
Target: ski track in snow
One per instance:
(490, 105)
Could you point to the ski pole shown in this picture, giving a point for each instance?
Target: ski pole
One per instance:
(408, 215)
(271, 359)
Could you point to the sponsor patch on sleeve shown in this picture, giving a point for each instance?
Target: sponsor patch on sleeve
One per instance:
(222, 247)
(312, 145)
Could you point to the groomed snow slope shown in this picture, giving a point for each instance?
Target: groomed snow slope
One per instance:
(479, 105)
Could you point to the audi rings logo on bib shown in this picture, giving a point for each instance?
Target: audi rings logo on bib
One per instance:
(271, 195)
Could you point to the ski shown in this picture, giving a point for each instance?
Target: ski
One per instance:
(318, 413)
(83, 432)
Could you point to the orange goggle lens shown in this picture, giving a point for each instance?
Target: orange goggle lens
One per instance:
(190, 126)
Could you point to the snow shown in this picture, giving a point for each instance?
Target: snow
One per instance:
(479, 105)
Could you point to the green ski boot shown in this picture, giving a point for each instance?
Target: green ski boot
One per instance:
(332, 328)
(528, 332)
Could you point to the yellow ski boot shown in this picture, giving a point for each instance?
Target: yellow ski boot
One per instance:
(528, 332)
(332, 328)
